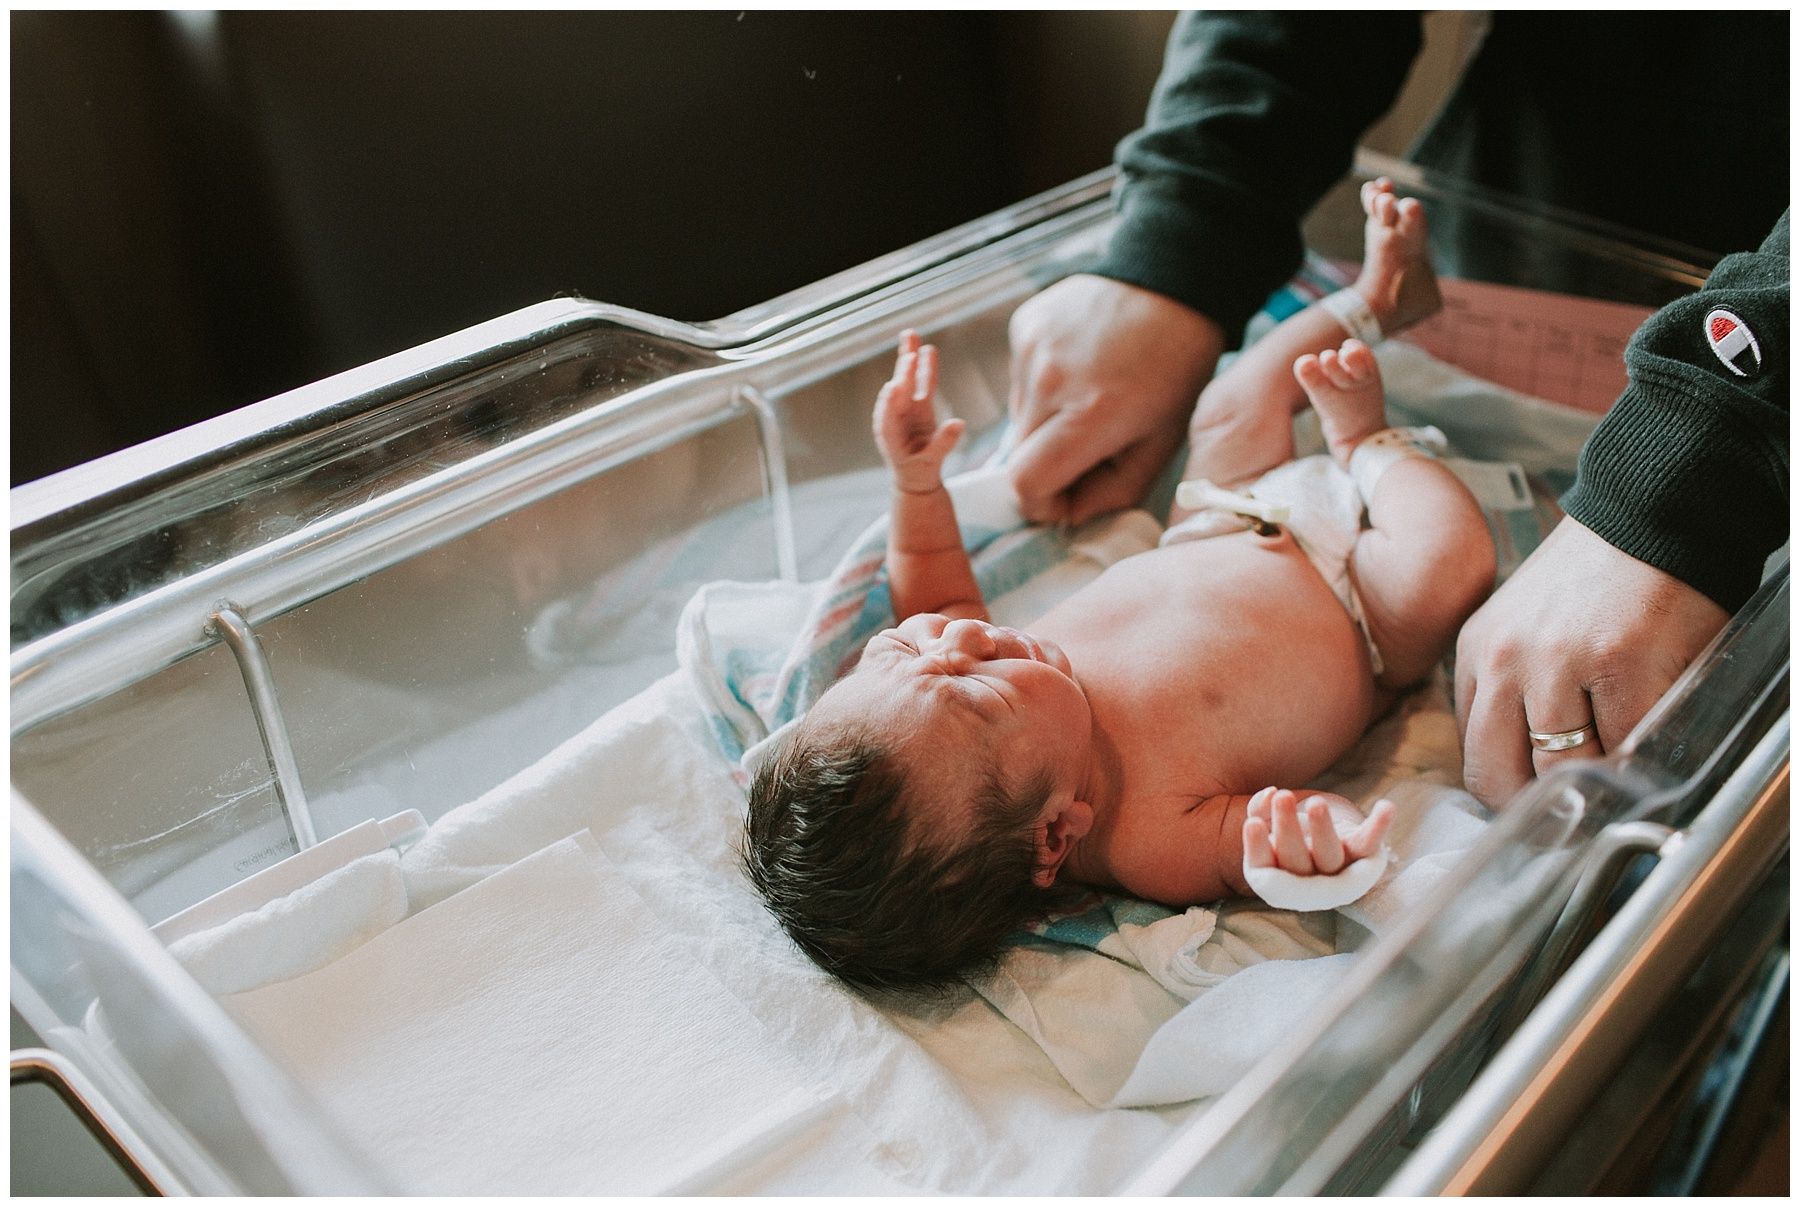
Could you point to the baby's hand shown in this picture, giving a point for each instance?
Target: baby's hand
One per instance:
(1328, 838)
(911, 440)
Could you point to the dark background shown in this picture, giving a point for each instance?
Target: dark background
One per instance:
(211, 208)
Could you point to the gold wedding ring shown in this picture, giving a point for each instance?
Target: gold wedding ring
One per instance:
(1569, 739)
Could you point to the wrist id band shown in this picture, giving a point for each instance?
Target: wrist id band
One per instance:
(1378, 453)
(1349, 308)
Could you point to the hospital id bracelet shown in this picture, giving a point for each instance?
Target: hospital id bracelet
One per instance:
(1378, 453)
(1352, 310)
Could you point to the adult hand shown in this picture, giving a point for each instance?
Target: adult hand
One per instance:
(1104, 377)
(1582, 633)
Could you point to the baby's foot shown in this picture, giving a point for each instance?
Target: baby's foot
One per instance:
(1344, 387)
(1397, 278)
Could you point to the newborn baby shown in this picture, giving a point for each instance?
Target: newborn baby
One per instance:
(1151, 734)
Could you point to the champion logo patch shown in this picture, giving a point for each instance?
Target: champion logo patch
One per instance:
(1733, 342)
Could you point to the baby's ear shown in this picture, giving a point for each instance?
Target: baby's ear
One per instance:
(1062, 826)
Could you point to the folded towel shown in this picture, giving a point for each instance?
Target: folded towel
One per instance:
(300, 931)
(534, 1034)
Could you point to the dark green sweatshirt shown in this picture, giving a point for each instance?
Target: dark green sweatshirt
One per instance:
(1672, 124)
(1689, 470)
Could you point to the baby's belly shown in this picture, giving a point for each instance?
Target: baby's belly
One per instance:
(1223, 659)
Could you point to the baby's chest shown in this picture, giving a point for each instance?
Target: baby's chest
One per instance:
(1221, 665)
(1220, 613)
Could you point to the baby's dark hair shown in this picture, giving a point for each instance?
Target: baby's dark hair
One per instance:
(882, 907)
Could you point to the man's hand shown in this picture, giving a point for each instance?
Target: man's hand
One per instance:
(1104, 377)
(1322, 839)
(1581, 634)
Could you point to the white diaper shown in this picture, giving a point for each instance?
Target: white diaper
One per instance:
(1325, 515)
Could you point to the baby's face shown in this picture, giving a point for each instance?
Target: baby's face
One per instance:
(964, 693)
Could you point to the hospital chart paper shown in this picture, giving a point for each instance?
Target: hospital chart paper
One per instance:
(1555, 346)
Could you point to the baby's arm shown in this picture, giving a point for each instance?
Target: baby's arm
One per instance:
(928, 568)
(1206, 861)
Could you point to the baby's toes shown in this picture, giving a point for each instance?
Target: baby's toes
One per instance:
(1410, 218)
(1358, 362)
(1332, 366)
(1385, 210)
(1308, 373)
(1371, 190)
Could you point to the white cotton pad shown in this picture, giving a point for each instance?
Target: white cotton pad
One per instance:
(1285, 890)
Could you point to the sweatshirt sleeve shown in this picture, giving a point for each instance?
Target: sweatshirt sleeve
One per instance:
(1689, 470)
(1255, 115)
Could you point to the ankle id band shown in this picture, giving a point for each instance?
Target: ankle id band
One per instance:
(1378, 453)
(1350, 309)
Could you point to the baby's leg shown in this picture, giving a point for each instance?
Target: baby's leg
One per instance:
(1244, 423)
(1426, 561)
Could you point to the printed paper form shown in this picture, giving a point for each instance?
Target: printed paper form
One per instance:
(1565, 349)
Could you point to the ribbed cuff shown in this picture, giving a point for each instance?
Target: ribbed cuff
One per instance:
(1197, 254)
(1663, 479)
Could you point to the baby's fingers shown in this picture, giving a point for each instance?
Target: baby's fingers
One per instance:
(1257, 851)
(944, 439)
(1366, 839)
(1290, 842)
(891, 412)
(1259, 804)
(894, 404)
(927, 367)
(905, 369)
(906, 363)
(1327, 849)
(901, 416)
